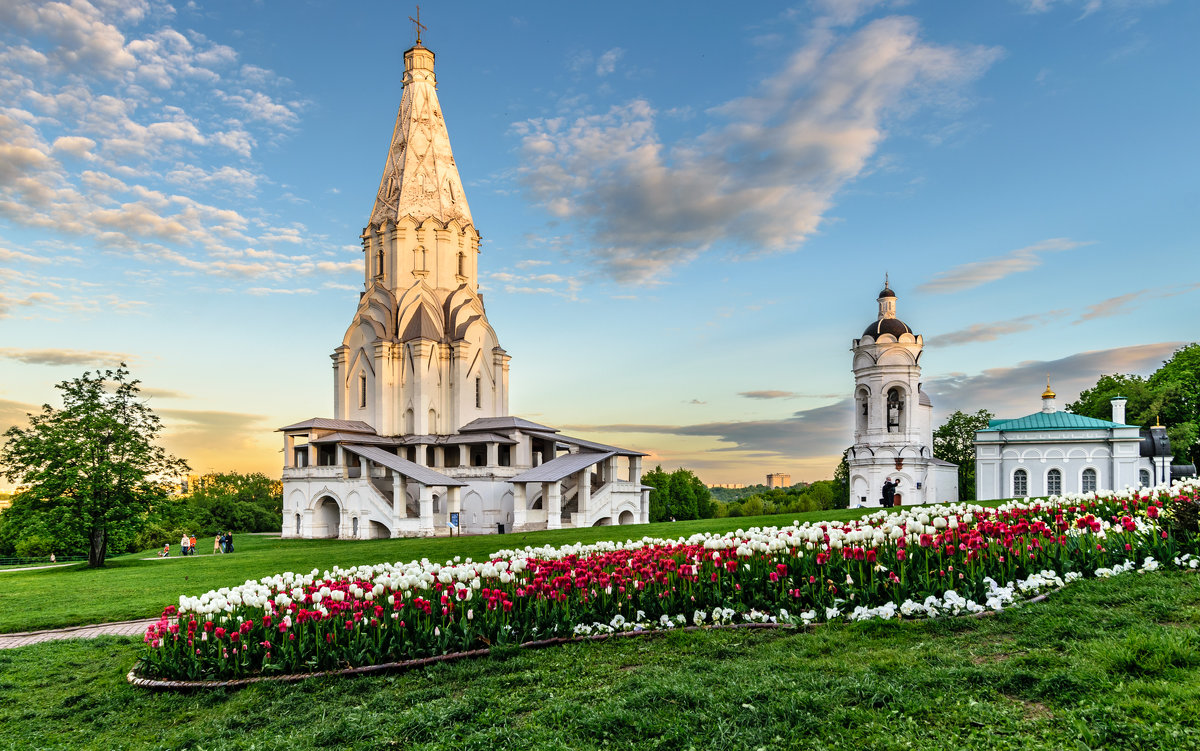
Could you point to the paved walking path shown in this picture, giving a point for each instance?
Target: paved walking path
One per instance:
(35, 568)
(120, 628)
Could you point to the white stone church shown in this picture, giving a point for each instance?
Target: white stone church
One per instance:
(421, 436)
(1053, 452)
(893, 417)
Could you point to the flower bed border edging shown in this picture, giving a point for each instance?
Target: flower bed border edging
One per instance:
(385, 667)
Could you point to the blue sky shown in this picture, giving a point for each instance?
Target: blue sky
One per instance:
(687, 211)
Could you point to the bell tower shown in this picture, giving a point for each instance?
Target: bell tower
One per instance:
(419, 356)
(892, 415)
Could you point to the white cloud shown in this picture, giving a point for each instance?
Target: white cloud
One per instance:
(111, 85)
(78, 37)
(607, 63)
(975, 273)
(65, 357)
(762, 181)
(1122, 304)
(10, 256)
(846, 12)
(79, 147)
(262, 291)
(557, 285)
(1088, 7)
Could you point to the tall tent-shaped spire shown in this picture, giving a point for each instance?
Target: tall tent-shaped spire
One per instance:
(420, 178)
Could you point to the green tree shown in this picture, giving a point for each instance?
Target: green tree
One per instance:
(841, 482)
(1171, 394)
(1176, 387)
(706, 505)
(682, 503)
(92, 468)
(1096, 401)
(822, 494)
(243, 502)
(661, 483)
(954, 442)
(678, 495)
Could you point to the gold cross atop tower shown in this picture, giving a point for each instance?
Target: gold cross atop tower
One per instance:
(419, 26)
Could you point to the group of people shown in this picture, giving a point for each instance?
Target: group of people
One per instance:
(222, 543)
(889, 491)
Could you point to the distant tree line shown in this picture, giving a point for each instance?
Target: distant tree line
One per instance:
(818, 496)
(728, 495)
(681, 495)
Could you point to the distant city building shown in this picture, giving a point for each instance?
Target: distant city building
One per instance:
(5, 501)
(730, 485)
(1054, 453)
(779, 480)
(190, 484)
(893, 417)
(421, 439)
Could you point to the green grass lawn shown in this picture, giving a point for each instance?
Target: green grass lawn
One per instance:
(1102, 664)
(130, 586)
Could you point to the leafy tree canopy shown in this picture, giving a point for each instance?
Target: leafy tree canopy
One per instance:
(1171, 394)
(954, 442)
(90, 470)
(677, 495)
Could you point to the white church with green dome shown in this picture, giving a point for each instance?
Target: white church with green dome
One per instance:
(1052, 452)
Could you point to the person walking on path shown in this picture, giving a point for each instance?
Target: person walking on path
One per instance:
(228, 542)
(216, 545)
(183, 545)
(192, 544)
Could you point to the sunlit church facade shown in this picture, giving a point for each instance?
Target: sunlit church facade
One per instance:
(421, 436)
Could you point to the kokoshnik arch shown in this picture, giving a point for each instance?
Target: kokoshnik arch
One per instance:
(421, 433)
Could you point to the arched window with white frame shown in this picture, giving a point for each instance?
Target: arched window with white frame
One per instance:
(1144, 478)
(1088, 483)
(1020, 484)
(1054, 482)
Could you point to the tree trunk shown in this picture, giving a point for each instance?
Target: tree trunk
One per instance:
(98, 548)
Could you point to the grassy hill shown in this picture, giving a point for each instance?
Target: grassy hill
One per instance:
(1102, 664)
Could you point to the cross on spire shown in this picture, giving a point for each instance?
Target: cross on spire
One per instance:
(419, 26)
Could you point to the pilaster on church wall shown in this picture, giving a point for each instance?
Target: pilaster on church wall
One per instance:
(339, 382)
(463, 403)
(387, 240)
(447, 389)
(500, 367)
(365, 239)
(447, 258)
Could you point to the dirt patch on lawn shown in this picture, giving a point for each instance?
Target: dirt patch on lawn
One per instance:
(1032, 710)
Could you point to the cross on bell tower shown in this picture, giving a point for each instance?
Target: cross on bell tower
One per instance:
(418, 25)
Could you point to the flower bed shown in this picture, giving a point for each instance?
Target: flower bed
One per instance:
(923, 562)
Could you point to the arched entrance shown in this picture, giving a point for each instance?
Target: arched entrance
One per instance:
(327, 518)
(626, 517)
